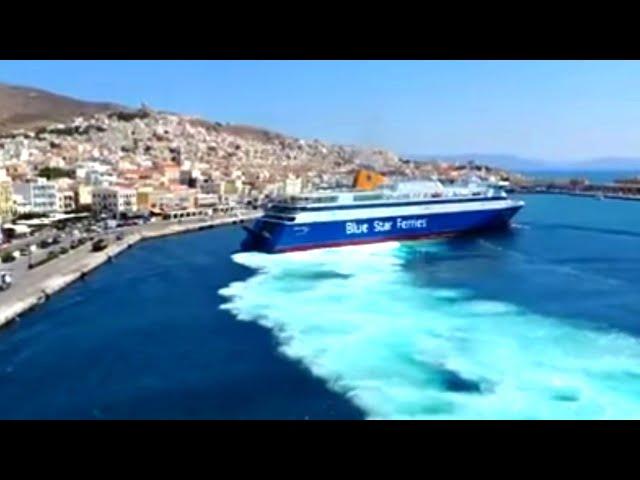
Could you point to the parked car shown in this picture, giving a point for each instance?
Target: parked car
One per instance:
(5, 280)
(99, 245)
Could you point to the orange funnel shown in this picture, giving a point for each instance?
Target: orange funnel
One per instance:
(367, 180)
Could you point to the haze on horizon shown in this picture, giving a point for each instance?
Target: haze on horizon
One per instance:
(558, 111)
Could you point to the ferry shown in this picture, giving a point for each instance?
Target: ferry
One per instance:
(375, 210)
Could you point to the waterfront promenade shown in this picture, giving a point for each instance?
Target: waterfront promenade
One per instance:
(32, 287)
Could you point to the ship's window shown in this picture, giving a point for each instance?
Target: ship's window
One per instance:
(332, 199)
(368, 197)
(282, 209)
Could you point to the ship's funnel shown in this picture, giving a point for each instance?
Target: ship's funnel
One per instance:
(367, 180)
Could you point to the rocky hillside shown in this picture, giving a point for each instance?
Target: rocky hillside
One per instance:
(29, 108)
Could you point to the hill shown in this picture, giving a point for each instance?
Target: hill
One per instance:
(29, 108)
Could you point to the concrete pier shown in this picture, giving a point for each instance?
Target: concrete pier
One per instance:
(42, 282)
(618, 191)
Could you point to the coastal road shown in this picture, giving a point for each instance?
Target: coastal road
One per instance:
(164, 225)
(32, 285)
(150, 227)
(19, 268)
(23, 242)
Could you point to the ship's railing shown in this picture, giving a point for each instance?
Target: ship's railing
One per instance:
(291, 205)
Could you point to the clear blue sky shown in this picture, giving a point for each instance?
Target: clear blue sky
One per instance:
(555, 110)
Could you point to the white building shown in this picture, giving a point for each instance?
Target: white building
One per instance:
(95, 173)
(39, 194)
(207, 200)
(66, 200)
(20, 205)
(292, 186)
(222, 187)
(99, 178)
(6, 196)
(114, 201)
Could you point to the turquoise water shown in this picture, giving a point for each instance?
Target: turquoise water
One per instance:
(541, 321)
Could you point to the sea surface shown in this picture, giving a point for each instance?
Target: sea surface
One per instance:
(539, 322)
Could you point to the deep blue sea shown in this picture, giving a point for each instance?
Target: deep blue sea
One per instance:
(542, 321)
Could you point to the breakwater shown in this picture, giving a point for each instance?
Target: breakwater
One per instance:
(612, 191)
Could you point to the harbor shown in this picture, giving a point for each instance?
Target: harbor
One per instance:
(256, 240)
(34, 286)
(620, 189)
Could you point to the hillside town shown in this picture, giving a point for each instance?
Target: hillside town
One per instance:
(127, 164)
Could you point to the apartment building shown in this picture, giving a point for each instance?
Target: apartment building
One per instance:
(114, 201)
(6, 196)
(39, 194)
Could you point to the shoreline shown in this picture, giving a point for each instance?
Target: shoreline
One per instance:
(84, 261)
(608, 196)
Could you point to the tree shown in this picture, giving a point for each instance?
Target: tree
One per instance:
(52, 173)
(29, 216)
(8, 257)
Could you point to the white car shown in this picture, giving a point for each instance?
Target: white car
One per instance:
(5, 280)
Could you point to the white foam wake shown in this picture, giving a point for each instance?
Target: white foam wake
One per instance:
(355, 318)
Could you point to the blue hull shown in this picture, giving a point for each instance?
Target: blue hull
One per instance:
(276, 237)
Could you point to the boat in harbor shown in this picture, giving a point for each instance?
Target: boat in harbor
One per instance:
(375, 210)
